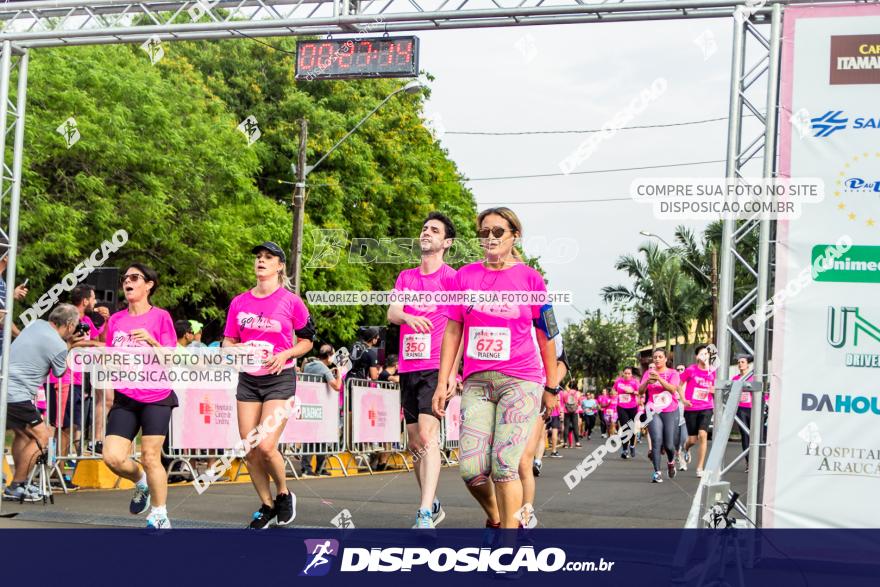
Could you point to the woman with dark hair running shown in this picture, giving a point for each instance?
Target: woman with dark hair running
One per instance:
(660, 386)
(271, 317)
(144, 411)
(627, 388)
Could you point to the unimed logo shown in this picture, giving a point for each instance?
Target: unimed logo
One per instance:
(846, 404)
(320, 554)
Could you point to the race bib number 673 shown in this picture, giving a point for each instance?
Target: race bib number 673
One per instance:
(487, 343)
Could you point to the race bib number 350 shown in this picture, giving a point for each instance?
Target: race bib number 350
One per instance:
(489, 343)
(416, 346)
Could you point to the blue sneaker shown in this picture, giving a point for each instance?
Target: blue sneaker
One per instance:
(140, 501)
(437, 513)
(656, 478)
(158, 522)
(423, 520)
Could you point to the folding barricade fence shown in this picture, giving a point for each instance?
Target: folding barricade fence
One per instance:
(374, 421)
(364, 421)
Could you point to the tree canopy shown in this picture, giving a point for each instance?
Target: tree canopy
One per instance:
(160, 156)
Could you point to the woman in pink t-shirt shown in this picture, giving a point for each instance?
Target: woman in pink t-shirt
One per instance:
(504, 370)
(660, 386)
(744, 408)
(627, 388)
(274, 319)
(144, 411)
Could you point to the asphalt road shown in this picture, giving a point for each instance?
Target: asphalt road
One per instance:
(618, 494)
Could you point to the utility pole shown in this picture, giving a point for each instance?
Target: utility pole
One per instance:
(714, 293)
(299, 207)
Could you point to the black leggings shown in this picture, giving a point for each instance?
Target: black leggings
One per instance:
(603, 426)
(571, 424)
(744, 414)
(625, 415)
(663, 429)
(589, 423)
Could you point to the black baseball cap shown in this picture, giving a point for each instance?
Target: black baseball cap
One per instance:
(272, 248)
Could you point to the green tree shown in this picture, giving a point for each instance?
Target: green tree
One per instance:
(600, 346)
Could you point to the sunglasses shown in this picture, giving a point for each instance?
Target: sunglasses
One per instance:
(497, 232)
(680, 370)
(134, 277)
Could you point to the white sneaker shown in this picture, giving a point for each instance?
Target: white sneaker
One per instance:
(682, 466)
(699, 472)
(158, 521)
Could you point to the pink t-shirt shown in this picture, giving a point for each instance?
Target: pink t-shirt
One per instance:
(627, 392)
(498, 337)
(160, 326)
(699, 388)
(573, 396)
(266, 322)
(603, 401)
(660, 399)
(745, 397)
(421, 351)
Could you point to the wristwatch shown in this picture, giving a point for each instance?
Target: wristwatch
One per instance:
(553, 390)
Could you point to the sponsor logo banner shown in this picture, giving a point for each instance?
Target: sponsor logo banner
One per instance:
(855, 59)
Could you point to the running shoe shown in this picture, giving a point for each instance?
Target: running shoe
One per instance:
(19, 494)
(285, 508)
(577, 444)
(656, 478)
(437, 513)
(140, 501)
(263, 518)
(423, 520)
(699, 472)
(158, 522)
(623, 454)
(632, 452)
(536, 468)
(687, 456)
(34, 490)
(670, 469)
(325, 473)
(555, 455)
(682, 466)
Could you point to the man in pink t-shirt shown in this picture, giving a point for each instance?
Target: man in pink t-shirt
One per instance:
(421, 336)
(698, 381)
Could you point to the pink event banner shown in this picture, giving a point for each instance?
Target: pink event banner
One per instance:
(206, 418)
(453, 418)
(375, 414)
(318, 417)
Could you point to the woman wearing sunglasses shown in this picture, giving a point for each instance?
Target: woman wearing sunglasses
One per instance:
(506, 378)
(270, 317)
(144, 411)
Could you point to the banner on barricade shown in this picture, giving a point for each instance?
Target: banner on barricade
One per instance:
(453, 418)
(375, 414)
(205, 418)
(317, 420)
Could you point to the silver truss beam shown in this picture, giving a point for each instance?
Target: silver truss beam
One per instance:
(40, 23)
(11, 58)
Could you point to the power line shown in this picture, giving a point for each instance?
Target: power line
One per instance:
(593, 171)
(532, 176)
(579, 132)
(615, 199)
(588, 131)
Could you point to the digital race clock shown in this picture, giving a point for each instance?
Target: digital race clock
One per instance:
(357, 58)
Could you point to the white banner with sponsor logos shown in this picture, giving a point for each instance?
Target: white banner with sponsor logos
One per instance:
(823, 454)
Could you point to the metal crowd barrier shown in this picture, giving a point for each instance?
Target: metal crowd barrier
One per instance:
(447, 445)
(363, 451)
(330, 450)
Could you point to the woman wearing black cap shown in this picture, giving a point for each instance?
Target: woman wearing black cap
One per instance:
(270, 317)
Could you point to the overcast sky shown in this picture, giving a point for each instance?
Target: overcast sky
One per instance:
(573, 77)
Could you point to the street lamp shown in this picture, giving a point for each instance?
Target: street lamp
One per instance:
(682, 257)
(301, 171)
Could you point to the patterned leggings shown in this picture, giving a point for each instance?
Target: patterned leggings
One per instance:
(497, 414)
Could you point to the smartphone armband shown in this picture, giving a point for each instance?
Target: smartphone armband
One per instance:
(547, 321)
